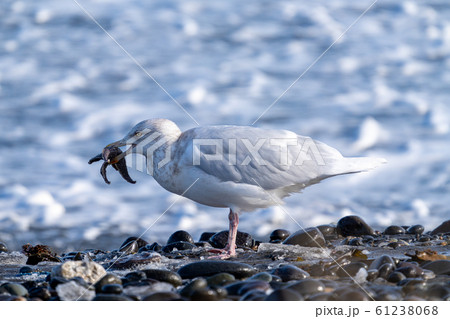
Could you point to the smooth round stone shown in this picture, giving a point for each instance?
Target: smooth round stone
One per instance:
(111, 297)
(112, 289)
(25, 270)
(349, 294)
(205, 295)
(180, 235)
(394, 230)
(356, 242)
(380, 261)
(439, 267)
(162, 296)
(164, 275)
(284, 295)
(254, 285)
(55, 281)
(350, 270)
(289, 272)
(151, 247)
(385, 270)
(254, 295)
(372, 274)
(107, 280)
(353, 226)
(279, 234)
(233, 288)
(438, 291)
(209, 268)
(329, 231)
(412, 284)
(220, 239)
(131, 247)
(205, 236)
(203, 244)
(395, 277)
(415, 230)
(409, 272)
(3, 248)
(196, 284)
(179, 245)
(135, 276)
(389, 294)
(264, 276)
(442, 228)
(309, 237)
(308, 286)
(40, 292)
(139, 241)
(14, 289)
(220, 279)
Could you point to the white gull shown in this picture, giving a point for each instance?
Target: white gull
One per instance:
(243, 168)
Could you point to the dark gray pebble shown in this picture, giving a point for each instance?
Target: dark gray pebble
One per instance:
(110, 297)
(179, 245)
(106, 280)
(329, 231)
(212, 267)
(151, 247)
(409, 272)
(284, 295)
(438, 291)
(220, 279)
(394, 230)
(385, 270)
(196, 284)
(264, 276)
(308, 286)
(254, 295)
(279, 234)
(233, 288)
(415, 230)
(3, 248)
(205, 295)
(380, 261)
(220, 239)
(140, 242)
(358, 241)
(162, 296)
(14, 289)
(254, 285)
(372, 274)
(206, 236)
(131, 247)
(180, 235)
(353, 226)
(350, 270)
(164, 275)
(323, 296)
(439, 267)
(40, 292)
(135, 276)
(309, 237)
(203, 244)
(350, 294)
(55, 281)
(25, 270)
(112, 289)
(290, 272)
(442, 228)
(396, 276)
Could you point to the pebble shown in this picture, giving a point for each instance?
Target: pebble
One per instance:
(151, 247)
(350, 294)
(90, 271)
(415, 230)
(309, 237)
(131, 247)
(358, 241)
(162, 296)
(135, 260)
(40, 292)
(323, 296)
(279, 234)
(108, 279)
(308, 286)
(164, 275)
(353, 226)
(442, 228)
(284, 295)
(394, 230)
(380, 261)
(135, 276)
(350, 270)
(439, 267)
(254, 295)
(329, 231)
(179, 245)
(206, 236)
(25, 270)
(264, 276)
(221, 279)
(385, 270)
(110, 297)
(438, 291)
(196, 284)
(254, 285)
(112, 289)
(372, 274)
(14, 289)
(3, 248)
(220, 239)
(212, 267)
(290, 272)
(396, 276)
(139, 241)
(180, 235)
(205, 295)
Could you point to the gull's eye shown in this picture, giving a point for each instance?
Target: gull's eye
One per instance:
(138, 134)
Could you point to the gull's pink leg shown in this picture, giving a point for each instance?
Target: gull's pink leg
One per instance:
(230, 248)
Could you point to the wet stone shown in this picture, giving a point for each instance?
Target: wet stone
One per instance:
(220, 239)
(358, 241)
(264, 276)
(13, 289)
(164, 275)
(415, 230)
(394, 230)
(353, 226)
(308, 286)
(179, 245)
(25, 270)
(254, 285)
(279, 234)
(385, 270)
(111, 297)
(55, 281)
(372, 274)
(196, 284)
(309, 237)
(380, 261)
(135, 276)
(180, 235)
(108, 279)
(162, 296)
(130, 248)
(395, 277)
(350, 269)
(40, 292)
(220, 279)
(151, 247)
(438, 291)
(323, 296)
(409, 272)
(289, 272)
(139, 241)
(442, 228)
(349, 294)
(3, 248)
(112, 289)
(439, 267)
(213, 267)
(206, 236)
(205, 295)
(254, 295)
(284, 295)
(203, 244)
(329, 231)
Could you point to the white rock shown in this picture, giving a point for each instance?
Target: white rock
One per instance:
(90, 271)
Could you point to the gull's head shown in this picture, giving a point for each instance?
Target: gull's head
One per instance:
(146, 133)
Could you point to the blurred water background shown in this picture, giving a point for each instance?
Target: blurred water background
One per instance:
(67, 90)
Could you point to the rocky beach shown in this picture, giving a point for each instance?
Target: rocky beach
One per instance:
(348, 260)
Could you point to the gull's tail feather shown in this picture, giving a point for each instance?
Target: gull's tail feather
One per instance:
(349, 165)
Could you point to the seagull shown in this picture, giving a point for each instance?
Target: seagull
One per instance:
(242, 168)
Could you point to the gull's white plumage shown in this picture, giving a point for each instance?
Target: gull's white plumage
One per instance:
(235, 181)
